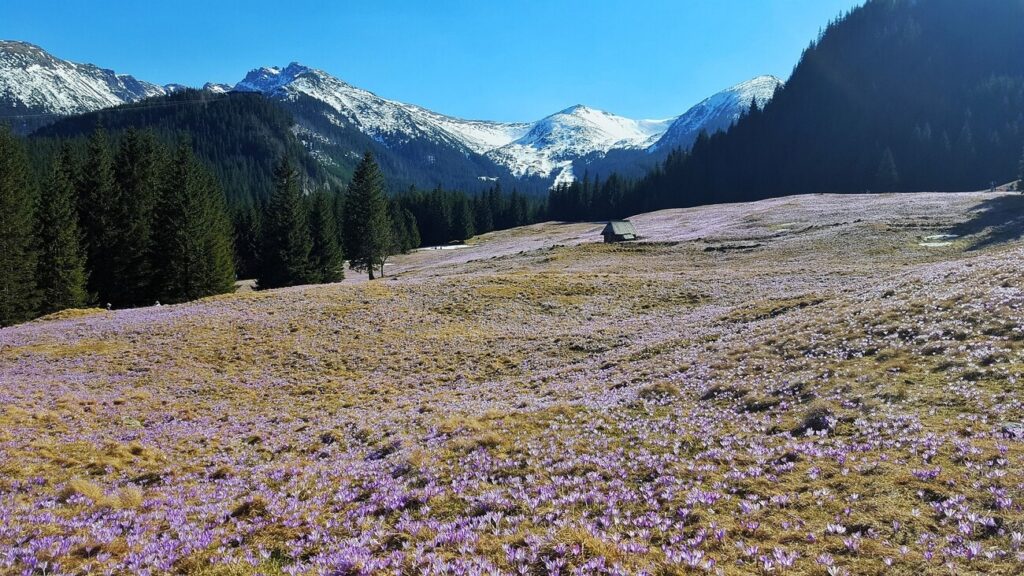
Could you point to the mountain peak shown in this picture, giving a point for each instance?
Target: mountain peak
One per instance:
(268, 79)
(717, 112)
(35, 83)
(578, 109)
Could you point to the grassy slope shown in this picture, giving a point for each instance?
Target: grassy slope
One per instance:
(538, 400)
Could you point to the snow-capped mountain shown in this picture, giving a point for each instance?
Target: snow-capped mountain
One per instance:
(217, 88)
(717, 112)
(552, 144)
(337, 121)
(386, 121)
(35, 84)
(546, 149)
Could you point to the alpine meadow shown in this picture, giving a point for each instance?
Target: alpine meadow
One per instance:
(767, 321)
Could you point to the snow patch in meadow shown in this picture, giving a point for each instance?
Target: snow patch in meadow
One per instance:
(937, 240)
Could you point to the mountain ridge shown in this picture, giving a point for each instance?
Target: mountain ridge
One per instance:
(37, 87)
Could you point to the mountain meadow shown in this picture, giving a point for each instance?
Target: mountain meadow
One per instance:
(289, 326)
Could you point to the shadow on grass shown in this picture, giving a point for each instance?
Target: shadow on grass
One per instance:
(994, 221)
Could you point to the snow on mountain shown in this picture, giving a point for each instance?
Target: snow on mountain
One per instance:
(545, 149)
(717, 112)
(386, 121)
(481, 136)
(552, 144)
(217, 88)
(33, 82)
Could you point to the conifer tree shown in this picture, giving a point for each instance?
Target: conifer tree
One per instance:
(405, 234)
(462, 219)
(325, 257)
(60, 272)
(248, 237)
(98, 209)
(483, 217)
(411, 229)
(192, 246)
(887, 179)
(1020, 174)
(367, 226)
(18, 295)
(136, 174)
(286, 239)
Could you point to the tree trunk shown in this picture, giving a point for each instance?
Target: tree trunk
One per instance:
(370, 268)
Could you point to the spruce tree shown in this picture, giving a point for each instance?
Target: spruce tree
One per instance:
(367, 226)
(248, 236)
(462, 219)
(1020, 174)
(325, 257)
(60, 272)
(192, 246)
(286, 239)
(98, 208)
(18, 295)
(404, 233)
(135, 172)
(887, 178)
(411, 229)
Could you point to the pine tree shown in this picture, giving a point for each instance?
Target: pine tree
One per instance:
(286, 239)
(18, 295)
(192, 246)
(136, 167)
(1020, 174)
(247, 224)
(462, 219)
(367, 226)
(412, 230)
(483, 218)
(326, 257)
(60, 273)
(98, 209)
(887, 178)
(405, 234)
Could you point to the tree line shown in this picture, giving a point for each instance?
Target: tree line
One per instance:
(895, 96)
(129, 219)
(119, 224)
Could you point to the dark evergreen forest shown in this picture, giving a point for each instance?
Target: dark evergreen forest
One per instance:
(898, 95)
(174, 198)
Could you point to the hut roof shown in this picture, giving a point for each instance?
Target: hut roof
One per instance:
(619, 228)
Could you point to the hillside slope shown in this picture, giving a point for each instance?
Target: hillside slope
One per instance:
(790, 385)
(898, 95)
(37, 88)
(240, 136)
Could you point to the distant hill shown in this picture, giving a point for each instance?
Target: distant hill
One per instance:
(898, 95)
(336, 122)
(37, 88)
(240, 136)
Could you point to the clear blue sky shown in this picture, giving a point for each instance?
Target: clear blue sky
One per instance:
(483, 59)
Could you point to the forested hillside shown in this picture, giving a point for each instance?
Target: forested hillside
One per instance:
(239, 136)
(898, 95)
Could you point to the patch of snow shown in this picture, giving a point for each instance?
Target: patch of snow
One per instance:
(32, 79)
(717, 112)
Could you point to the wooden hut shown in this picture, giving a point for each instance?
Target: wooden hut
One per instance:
(619, 231)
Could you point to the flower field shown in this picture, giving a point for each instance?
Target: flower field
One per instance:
(798, 386)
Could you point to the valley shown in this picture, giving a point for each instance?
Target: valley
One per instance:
(804, 385)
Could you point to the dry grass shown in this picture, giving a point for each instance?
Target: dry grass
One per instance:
(573, 403)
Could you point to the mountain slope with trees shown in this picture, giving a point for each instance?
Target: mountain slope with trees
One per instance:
(239, 136)
(898, 95)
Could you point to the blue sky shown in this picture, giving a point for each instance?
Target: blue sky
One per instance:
(475, 59)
